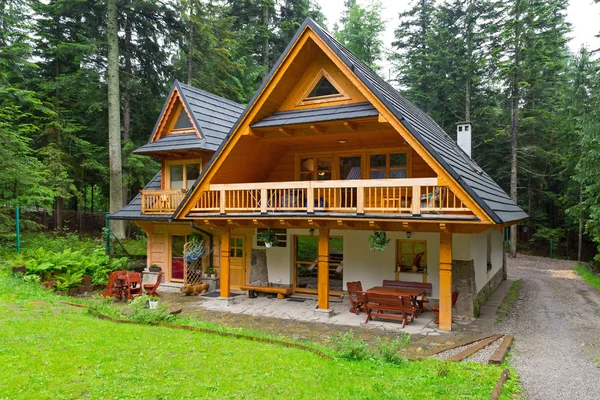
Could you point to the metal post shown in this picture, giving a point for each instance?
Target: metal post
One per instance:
(18, 228)
(550, 248)
(107, 234)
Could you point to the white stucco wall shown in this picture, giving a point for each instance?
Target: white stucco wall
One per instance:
(361, 264)
(479, 256)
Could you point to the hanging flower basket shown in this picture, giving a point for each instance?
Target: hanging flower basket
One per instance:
(268, 237)
(378, 241)
(194, 251)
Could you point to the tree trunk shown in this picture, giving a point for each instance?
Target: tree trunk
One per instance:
(128, 73)
(514, 125)
(266, 40)
(580, 244)
(190, 60)
(114, 123)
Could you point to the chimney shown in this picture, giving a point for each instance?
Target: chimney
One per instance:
(463, 136)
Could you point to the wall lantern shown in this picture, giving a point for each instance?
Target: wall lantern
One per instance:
(311, 232)
(408, 235)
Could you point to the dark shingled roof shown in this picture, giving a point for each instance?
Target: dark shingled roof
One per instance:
(212, 115)
(480, 186)
(133, 210)
(321, 114)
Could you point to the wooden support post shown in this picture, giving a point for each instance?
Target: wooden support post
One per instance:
(310, 200)
(360, 200)
(224, 267)
(222, 202)
(446, 280)
(323, 274)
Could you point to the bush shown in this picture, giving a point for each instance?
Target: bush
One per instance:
(140, 312)
(349, 347)
(388, 349)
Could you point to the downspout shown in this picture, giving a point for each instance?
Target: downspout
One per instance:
(210, 240)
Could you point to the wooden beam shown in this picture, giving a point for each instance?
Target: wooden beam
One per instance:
(323, 270)
(445, 281)
(382, 120)
(317, 129)
(501, 351)
(345, 224)
(374, 225)
(351, 126)
(406, 226)
(314, 223)
(474, 349)
(286, 131)
(231, 223)
(224, 267)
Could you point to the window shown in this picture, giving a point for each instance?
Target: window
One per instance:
(315, 169)
(183, 175)
(386, 166)
(323, 88)
(489, 251)
(350, 168)
(306, 264)
(411, 256)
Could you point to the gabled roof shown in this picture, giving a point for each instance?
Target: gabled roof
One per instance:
(321, 114)
(133, 210)
(212, 116)
(484, 191)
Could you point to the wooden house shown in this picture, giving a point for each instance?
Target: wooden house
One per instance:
(325, 154)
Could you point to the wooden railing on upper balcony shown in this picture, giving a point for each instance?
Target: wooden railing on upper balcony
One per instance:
(161, 201)
(376, 196)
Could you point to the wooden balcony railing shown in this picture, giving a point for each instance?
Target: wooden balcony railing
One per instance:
(383, 196)
(161, 201)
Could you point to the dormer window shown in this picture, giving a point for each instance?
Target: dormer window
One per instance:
(322, 89)
(182, 124)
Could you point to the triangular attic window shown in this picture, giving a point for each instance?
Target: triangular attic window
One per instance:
(323, 88)
(183, 122)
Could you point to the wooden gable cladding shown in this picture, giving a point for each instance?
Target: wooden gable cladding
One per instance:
(166, 123)
(321, 66)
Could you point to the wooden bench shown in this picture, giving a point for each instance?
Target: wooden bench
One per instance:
(427, 287)
(280, 291)
(389, 307)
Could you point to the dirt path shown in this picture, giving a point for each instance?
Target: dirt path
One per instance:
(556, 323)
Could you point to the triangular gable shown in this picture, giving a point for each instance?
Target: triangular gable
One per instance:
(309, 31)
(323, 88)
(175, 117)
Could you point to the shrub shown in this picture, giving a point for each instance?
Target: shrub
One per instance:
(140, 312)
(349, 347)
(388, 349)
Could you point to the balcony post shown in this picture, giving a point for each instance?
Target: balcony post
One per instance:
(360, 200)
(310, 199)
(143, 202)
(224, 267)
(416, 200)
(222, 202)
(263, 200)
(323, 269)
(445, 281)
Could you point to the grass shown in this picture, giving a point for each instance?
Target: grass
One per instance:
(588, 275)
(509, 300)
(56, 351)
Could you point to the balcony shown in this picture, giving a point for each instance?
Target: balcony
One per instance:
(392, 197)
(161, 201)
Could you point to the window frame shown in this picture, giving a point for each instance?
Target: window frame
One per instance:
(304, 99)
(399, 254)
(388, 167)
(184, 162)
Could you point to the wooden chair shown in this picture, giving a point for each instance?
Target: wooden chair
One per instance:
(151, 288)
(355, 293)
(134, 284)
(110, 286)
(436, 309)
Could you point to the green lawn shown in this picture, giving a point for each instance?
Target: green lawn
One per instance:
(588, 275)
(51, 351)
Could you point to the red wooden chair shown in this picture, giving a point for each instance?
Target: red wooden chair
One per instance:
(436, 309)
(150, 288)
(134, 284)
(355, 293)
(110, 290)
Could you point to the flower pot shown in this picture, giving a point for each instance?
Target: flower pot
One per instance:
(153, 304)
(213, 276)
(268, 245)
(155, 269)
(414, 268)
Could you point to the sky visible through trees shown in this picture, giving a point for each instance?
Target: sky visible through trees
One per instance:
(505, 65)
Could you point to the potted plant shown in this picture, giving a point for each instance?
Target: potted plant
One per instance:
(154, 268)
(153, 303)
(268, 237)
(378, 241)
(212, 272)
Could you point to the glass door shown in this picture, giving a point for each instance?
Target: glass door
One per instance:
(177, 264)
(306, 264)
(350, 169)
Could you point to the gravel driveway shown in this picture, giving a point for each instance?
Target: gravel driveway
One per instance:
(556, 323)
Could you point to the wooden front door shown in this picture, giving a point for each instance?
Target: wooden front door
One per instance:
(237, 261)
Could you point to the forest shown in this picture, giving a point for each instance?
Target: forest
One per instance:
(503, 65)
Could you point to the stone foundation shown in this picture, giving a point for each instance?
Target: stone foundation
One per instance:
(490, 287)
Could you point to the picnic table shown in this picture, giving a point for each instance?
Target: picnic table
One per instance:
(413, 293)
(392, 303)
